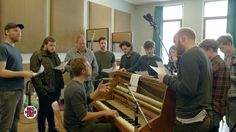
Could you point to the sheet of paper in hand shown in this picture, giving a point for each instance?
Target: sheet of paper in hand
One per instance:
(41, 70)
(160, 69)
(61, 66)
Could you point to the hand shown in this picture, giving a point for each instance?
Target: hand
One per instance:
(27, 74)
(99, 92)
(161, 77)
(111, 113)
(103, 87)
(62, 70)
(174, 59)
(123, 69)
(114, 69)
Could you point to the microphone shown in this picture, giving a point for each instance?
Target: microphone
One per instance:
(148, 17)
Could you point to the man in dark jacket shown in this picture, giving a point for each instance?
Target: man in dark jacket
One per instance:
(145, 61)
(47, 84)
(192, 86)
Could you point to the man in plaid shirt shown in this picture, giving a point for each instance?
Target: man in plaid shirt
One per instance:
(227, 47)
(221, 82)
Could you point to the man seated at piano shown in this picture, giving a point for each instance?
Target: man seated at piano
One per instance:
(145, 61)
(76, 115)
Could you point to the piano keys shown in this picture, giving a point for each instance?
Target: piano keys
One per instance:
(155, 99)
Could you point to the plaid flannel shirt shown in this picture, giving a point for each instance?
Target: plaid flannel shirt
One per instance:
(221, 84)
(232, 90)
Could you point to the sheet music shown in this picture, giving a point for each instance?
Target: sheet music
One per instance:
(134, 82)
(61, 66)
(108, 70)
(161, 68)
(158, 70)
(41, 70)
(143, 73)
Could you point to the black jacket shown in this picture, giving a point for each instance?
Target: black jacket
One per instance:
(50, 79)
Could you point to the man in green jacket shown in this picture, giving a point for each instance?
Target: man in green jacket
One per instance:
(47, 84)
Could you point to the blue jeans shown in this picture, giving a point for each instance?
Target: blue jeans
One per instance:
(10, 107)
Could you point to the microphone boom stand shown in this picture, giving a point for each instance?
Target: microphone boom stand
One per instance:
(137, 109)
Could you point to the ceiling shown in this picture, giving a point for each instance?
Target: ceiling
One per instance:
(140, 2)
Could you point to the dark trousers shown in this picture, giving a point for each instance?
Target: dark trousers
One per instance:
(193, 127)
(10, 107)
(46, 111)
(231, 114)
(215, 121)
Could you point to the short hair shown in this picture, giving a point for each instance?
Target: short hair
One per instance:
(188, 32)
(101, 38)
(77, 65)
(224, 39)
(78, 37)
(126, 43)
(149, 44)
(173, 47)
(48, 39)
(209, 44)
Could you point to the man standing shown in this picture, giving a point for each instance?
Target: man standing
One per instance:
(145, 61)
(76, 116)
(130, 57)
(48, 84)
(221, 82)
(192, 85)
(11, 78)
(227, 47)
(105, 59)
(80, 51)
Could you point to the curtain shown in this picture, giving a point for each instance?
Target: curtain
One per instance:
(231, 19)
(158, 16)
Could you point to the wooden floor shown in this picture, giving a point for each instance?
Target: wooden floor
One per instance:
(27, 125)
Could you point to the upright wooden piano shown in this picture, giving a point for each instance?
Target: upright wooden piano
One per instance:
(155, 99)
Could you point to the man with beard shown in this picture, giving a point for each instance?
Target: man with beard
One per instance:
(192, 85)
(130, 57)
(145, 61)
(76, 115)
(105, 59)
(11, 78)
(47, 84)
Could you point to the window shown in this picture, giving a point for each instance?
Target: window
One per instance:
(215, 19)
(172, 21)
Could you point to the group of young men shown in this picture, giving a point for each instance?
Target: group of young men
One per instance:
(204, 86)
